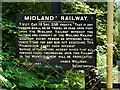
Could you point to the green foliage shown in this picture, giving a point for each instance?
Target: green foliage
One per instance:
(22, 75)
(19, 74)
(97, 8)
(102, 65)
(116, 34)
(75, 80)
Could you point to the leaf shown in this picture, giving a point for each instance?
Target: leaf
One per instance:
(3, 79)
(45, 57)
(7, 25)
(10, 31)
(58, 66)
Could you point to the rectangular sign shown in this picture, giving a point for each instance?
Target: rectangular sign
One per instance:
(66, 40)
